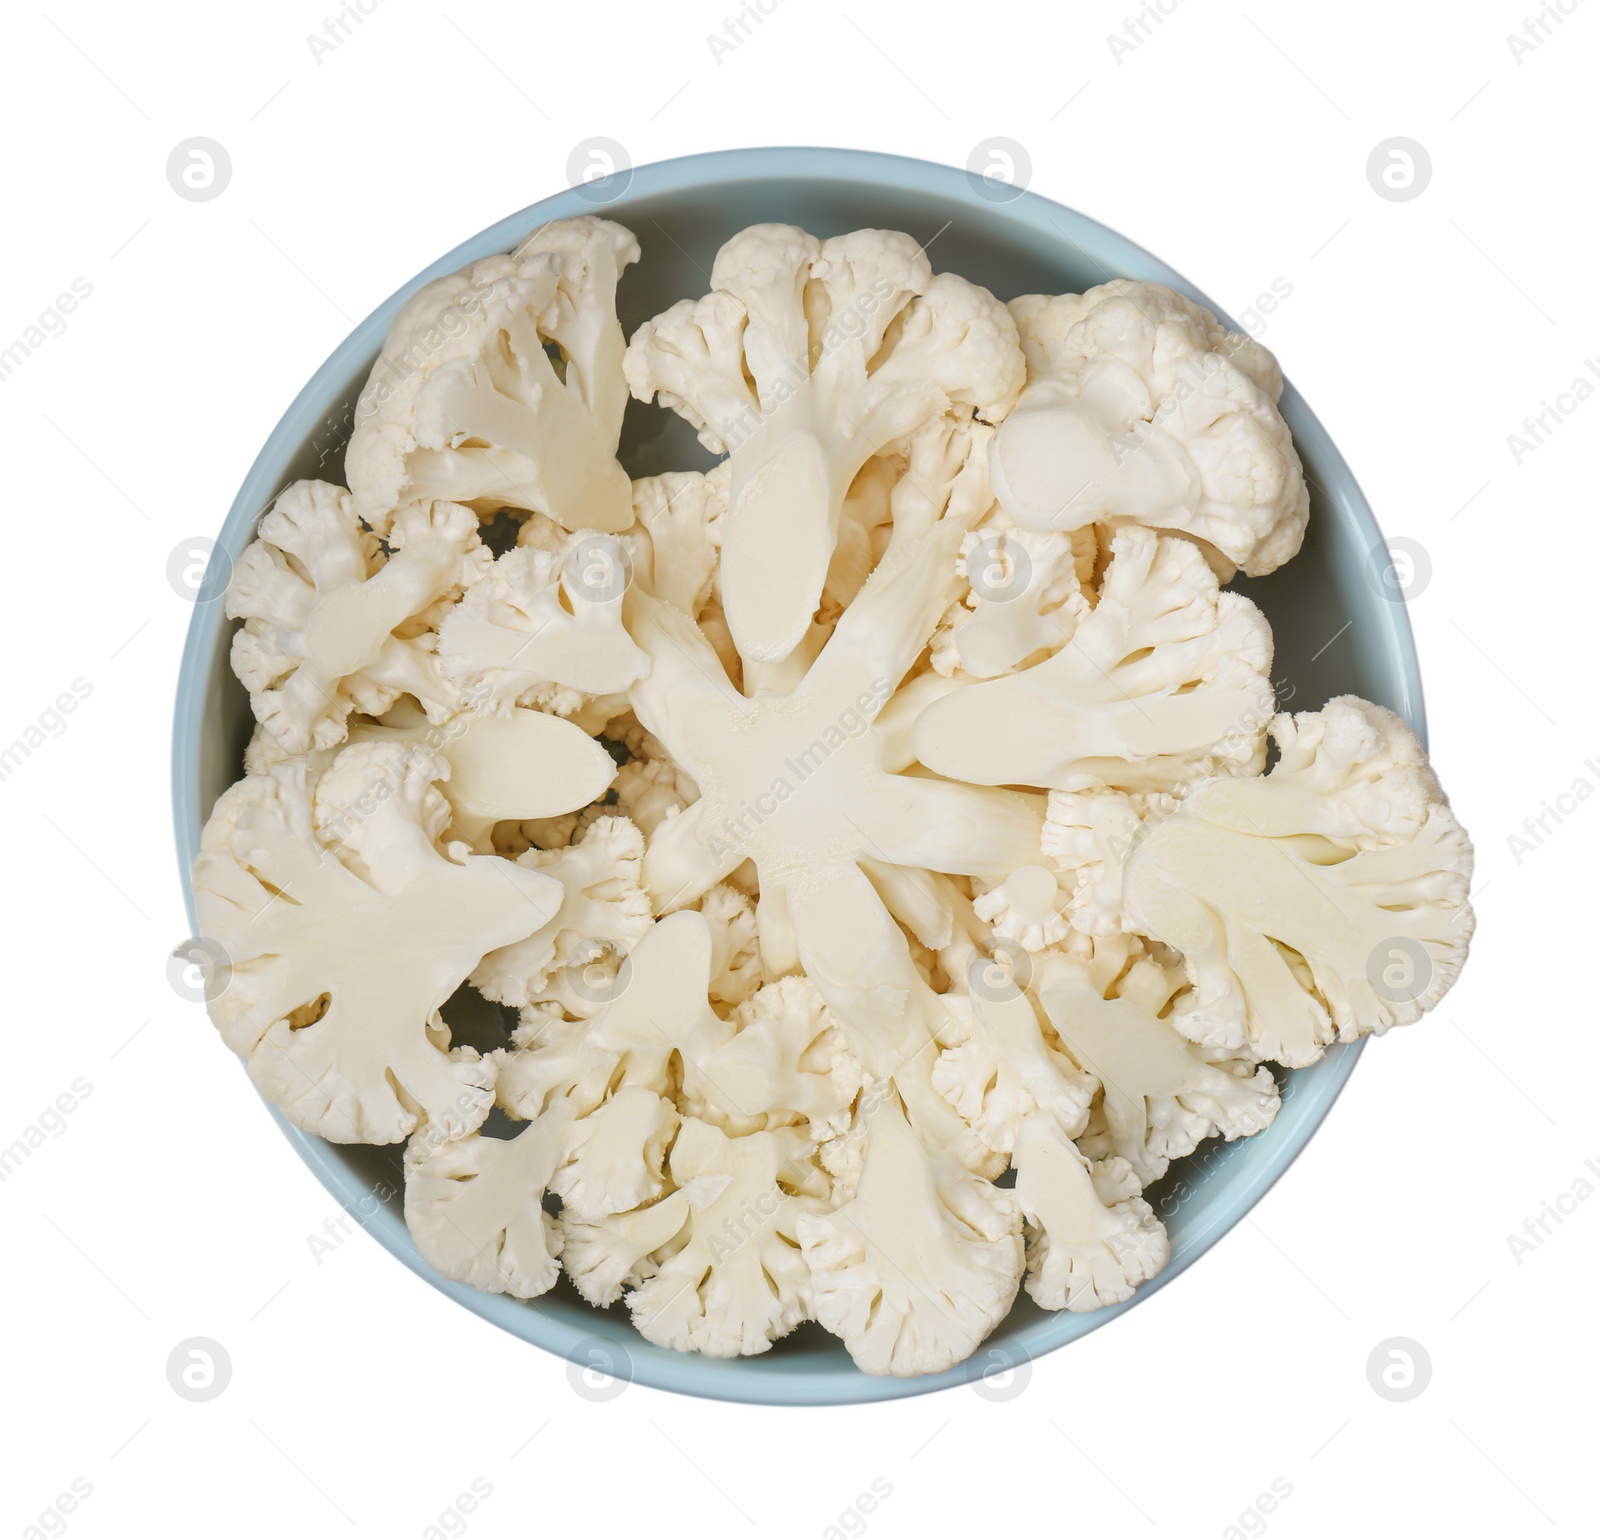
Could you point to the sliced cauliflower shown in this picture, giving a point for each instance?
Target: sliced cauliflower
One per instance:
(527, 765)
(805, 360)
(1024, 597)
(501, 386)
(650, 790)
(536, 632)
(736, 946)
(680, 515)
(1084, 1252)
(734, 1281)
(786, 1062)
(341, 957)
(333, 624)
(1326, 899)
(602, 907)
(1160, 1094)
(1165, 681)
(1028, 909)
(1141, 408)
(474, 1206)
(1005, 1069)
(924, 1260)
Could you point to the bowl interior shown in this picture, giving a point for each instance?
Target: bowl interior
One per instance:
(1335, 632)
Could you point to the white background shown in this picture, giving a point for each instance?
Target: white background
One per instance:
(1233, 144)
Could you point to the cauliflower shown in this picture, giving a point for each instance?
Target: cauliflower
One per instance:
(1160, 1094)
(786, 1062)
(1085, 1250)
(332, 624)
(1140, 407)
(734, 1281)
(341, 957)
(680, 515)
(601, 908)
(921, 1264)
(805, 360)
(872, 821)
(1164, 681)
(467, 403)
(540, 630)
(526, 765)
(1004, 1070)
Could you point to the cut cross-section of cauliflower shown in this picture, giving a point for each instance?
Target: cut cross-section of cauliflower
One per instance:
(543, 629)
(1160, 1094)
(805, 360)
(332, 624)
(501, 386)
(342, 953)
(1084, 1252)
(734, 1282)
(922, 1263)
(1325, 899)
(602, 910)
(1164, 681)
(1140, 407)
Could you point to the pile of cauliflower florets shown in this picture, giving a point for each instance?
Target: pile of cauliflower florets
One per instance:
(876, 814)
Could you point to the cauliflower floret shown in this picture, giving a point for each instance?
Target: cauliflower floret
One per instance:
(466, 402)
(333, 625)
(1027, 909)
(786, 1062)
(527, 765)
(539, 630)
(602, 907)
(614, 1155)
(680, 515)
(1141, 408)
(1160, 1094)
(1083, 1251)
(341, 957)
(736, 945)
(923, 1261)
(606, 1256)
(1024, 597)
(1166, 680)
(1328, 898)
(773, 366)
(474, 1206)
(735, 1281)
(1005, 1069)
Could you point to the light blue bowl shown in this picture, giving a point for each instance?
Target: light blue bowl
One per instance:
(682, 211)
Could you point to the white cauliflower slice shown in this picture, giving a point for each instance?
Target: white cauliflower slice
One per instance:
(602, 907)
(474, 1206)
(604, 1257)
(654, 1019)
(1083, 1252)
(786, 1062)
(1165, 681)
(342, 954)
(680, 515)
(332, 624)
(734, 1281)
(528, 765)
(1140, 407)
(466, 402)
(1160, 1094)
(1028, 909)
(1005, 1069)
(736, 971)
(1025, 597)
(1325, 899)
(534, 633)
(614, 1155)
(806, 360)
(924, 1260)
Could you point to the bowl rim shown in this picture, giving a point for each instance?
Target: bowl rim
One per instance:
(762, 1380)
